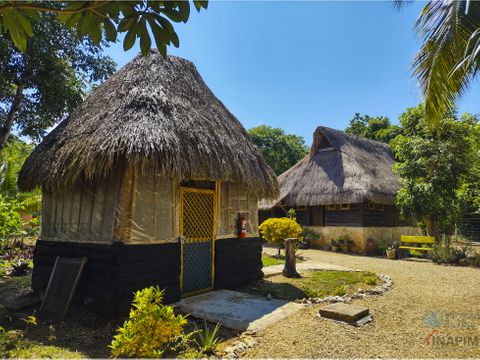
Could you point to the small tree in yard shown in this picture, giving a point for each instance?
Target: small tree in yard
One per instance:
(433, 164)
(276, 230)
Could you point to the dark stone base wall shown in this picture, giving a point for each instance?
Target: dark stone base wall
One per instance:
(113, 272)
(237, 261)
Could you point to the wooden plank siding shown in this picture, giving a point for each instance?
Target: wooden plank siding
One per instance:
(352, 217)
(359, 215)
(375, 217)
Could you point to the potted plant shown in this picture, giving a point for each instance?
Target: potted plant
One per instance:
(391, 253)
(371, 247)
(344, 243)
(309, 235)
(334, 245)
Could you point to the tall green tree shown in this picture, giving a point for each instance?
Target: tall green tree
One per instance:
(101, 20)
(470, 193)
(434, 164)
(40, 86)
(377, 128)
(280, 150)
(449, 58)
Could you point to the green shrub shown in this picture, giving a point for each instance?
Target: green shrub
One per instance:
(150, 329)
(10, 220)
(444, 252)
(344, 239)
(381, 248)
(310, 234)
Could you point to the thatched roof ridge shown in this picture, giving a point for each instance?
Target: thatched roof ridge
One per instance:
(153, 112)
(341, 168)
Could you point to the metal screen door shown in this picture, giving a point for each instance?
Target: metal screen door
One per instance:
(197, 221)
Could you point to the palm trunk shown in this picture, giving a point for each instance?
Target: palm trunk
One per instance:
(7, 125)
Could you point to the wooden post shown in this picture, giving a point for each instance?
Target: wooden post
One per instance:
(290, 268)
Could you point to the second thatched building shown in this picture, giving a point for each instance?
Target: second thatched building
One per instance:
(345, 188)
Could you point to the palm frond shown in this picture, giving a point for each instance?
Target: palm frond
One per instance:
(446, 29)
(8, 177)
(400, 4)
(31, 201)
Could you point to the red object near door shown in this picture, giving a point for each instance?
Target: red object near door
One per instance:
(242, 226)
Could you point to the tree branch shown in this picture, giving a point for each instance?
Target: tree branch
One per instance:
(7, 126)
(29, 6)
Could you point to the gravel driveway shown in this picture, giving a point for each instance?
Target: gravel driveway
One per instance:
(424, 298)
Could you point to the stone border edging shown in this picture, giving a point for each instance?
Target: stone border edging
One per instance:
(246, 340)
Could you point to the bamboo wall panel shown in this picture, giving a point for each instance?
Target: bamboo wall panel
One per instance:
(85, 214)
(154, 209)
(234, 199)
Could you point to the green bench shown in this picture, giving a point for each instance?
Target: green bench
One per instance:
(409, 242)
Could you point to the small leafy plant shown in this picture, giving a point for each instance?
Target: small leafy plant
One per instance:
(444, 253)
(206, 339)
(310, 293)
(341, 290)
(150, 329)
(19, 268)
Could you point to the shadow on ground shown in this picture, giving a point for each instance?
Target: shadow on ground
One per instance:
(80, 331)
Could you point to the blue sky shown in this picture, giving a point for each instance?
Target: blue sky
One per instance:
(298, 65)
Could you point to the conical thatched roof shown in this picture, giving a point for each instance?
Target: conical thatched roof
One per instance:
(154, 112)
(340, 168)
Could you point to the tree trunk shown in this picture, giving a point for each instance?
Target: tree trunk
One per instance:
(432, 228)
(290, 268)
(7, 125)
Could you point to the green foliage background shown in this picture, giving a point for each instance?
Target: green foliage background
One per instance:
(280, 150)
(438, 167)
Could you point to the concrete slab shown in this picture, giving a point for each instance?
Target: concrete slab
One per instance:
(344, 312)
(236, 310)
(303, 266)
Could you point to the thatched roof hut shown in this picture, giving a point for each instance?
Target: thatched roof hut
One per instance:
(153, 112)
(340, 168)
(344, 188)
(153, 180)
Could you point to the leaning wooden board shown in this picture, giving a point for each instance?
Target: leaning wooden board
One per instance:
(62, 284)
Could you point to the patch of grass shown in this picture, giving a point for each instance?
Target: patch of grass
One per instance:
(14, 345)
(268, 260)
(313, 284)
(29, 349)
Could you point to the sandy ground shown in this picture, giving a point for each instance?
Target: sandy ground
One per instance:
(431, 311)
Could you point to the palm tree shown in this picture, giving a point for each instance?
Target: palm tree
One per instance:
(449, 58)
(11, 160)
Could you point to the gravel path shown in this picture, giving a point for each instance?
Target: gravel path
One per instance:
(399, 328)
